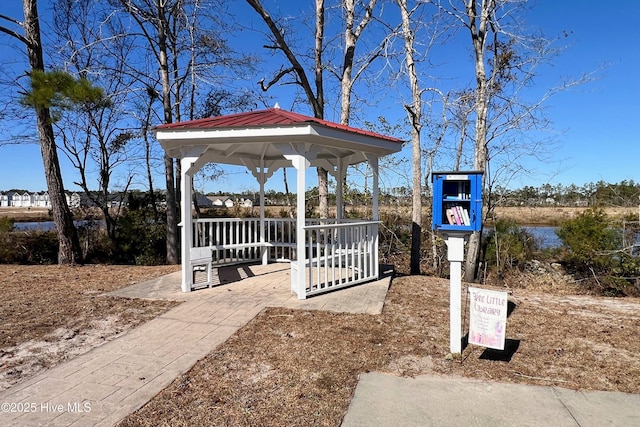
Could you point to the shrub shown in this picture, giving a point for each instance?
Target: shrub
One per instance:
(588, 236)
(6, 225)
(28, 247)
(508, 245)
(595, 253)
(141, 238)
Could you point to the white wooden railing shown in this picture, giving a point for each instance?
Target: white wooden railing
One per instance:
(231, 240)
(338, 253)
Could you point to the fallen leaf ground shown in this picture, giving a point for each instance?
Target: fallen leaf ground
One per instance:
(300, 367)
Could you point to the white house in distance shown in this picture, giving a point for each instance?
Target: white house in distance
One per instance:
(41, 200)
(15, 199)
(22, 200)
(5, 200)
(221, 201)
(228, 202)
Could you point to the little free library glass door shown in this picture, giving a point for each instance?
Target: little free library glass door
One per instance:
(457, 201)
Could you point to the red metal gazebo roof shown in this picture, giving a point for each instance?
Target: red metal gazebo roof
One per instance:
(266, 118)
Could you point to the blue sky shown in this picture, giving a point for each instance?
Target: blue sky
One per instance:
(599, 130)
(596, 126)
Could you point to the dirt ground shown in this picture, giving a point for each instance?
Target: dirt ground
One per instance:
(300, 367)
(49, 314)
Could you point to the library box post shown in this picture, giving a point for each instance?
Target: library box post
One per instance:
(457, 201)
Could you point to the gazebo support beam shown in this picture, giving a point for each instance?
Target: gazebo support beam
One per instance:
(373, 162)
(190, 163)
(375, 168)
(298, 270)
(265, 251)
(340, 175)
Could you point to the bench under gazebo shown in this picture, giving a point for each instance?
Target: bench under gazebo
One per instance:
(325, 253)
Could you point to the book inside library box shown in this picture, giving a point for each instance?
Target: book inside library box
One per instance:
(457, 201)
(456, 197)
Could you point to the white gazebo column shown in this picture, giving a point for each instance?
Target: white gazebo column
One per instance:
(298, 270)
(373, 162)
(261, 173)
(187, 223)
(264, 248)
(190, 163)
(341, 173)
(375, 214)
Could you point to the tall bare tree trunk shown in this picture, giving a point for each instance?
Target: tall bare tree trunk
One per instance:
(172, 216)
(414, 111)
(316, 99)
(478, 29)
(323, 175)
(147, 153)
(69, 251)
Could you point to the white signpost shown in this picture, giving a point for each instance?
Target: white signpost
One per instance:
(455, 255)
(488, 318)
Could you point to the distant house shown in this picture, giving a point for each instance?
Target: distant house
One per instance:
(203, 201)
(221, 201)
(40, 200)
(20, 200)
(5, 200)
(246, 203)
(73, 200)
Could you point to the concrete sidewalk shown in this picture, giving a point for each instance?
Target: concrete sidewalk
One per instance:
(388, 400)
(101, 387)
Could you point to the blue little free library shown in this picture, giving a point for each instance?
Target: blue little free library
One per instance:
(457, 201)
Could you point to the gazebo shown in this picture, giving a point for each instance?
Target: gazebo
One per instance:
(325, 254)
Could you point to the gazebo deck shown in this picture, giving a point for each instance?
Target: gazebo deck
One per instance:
(266, 285)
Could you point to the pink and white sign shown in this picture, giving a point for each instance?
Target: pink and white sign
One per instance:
(488, 318)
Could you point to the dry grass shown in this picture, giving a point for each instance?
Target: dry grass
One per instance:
(554, 215)
(300, 368)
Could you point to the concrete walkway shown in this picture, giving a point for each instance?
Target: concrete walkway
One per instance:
(101, 387)
(382, 400)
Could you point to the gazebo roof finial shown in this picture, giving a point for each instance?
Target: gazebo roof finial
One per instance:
(277, 106)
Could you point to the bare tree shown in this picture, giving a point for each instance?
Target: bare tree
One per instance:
(315, 97)
(347, 71)
(184, 39)
(505, 62)
(153, 19)
(94, 135)
(414, 112)
(69, 251)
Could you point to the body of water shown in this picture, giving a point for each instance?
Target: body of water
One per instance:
(545, 236)
(48, 225)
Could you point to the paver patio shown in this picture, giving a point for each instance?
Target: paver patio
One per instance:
(102, 386)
